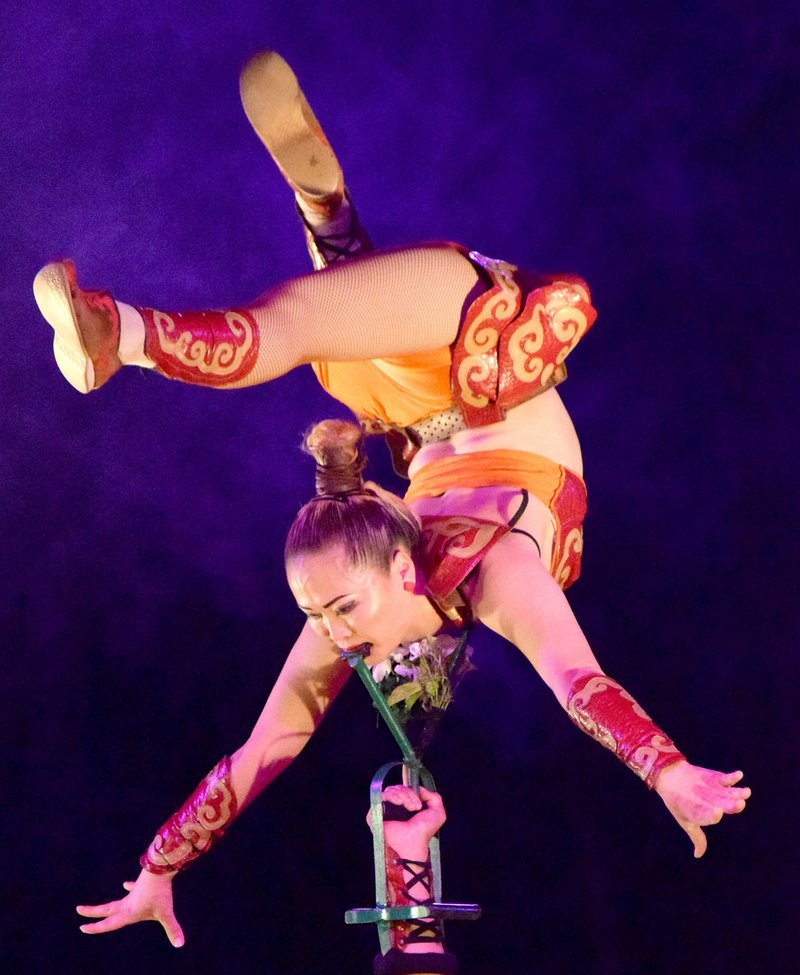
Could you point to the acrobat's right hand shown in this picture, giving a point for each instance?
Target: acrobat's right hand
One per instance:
(410, 837)
(149, 898)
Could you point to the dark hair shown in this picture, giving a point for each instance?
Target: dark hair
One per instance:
(370, 523)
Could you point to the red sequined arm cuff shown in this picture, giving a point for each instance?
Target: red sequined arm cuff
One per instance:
(197, 826)
(603, 709)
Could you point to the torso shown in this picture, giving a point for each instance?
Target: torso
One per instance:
(540, 426)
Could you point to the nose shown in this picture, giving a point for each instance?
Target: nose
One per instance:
(339, 631)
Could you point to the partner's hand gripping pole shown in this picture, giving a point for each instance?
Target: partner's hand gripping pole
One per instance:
(414, 773)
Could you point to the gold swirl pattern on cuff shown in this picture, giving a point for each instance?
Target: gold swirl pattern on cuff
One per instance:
(209, 348)
(197, 826)
(604, 710)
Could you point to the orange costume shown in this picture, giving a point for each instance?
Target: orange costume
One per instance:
(514, 332)
(510, 347)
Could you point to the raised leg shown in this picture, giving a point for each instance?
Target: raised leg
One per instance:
(285, 123)
(389, 303)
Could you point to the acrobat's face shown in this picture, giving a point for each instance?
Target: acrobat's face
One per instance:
(352, 605)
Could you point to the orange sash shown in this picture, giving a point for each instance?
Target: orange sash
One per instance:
(557, 487)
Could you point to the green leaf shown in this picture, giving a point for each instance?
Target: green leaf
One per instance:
(403, 692)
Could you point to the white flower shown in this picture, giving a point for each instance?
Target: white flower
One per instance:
(381, 670)
(430, 652)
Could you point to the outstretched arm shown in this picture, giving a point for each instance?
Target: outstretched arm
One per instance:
(311, 678)
(515, 596)
(308, 683)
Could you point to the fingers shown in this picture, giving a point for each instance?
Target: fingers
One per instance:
(719, 789)
(433, 799)
(137, 905)
(427, 807)
(726, 780)
(698, 838)
(707, 806)
(97, 910)
(115, 921)
(398, 795)
(111, 923)
(733, 803)
(699, 797)
(434, 807)
(738, 795)
(403, 795)
(173, 930)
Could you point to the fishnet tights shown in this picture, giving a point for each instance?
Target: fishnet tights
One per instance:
(384, 304)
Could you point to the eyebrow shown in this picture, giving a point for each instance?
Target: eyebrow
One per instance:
(330, 602)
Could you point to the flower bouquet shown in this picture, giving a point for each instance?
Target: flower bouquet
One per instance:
(417, 682)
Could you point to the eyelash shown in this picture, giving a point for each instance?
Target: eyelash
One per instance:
(340, 611)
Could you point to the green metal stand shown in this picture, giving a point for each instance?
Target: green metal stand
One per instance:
(414, 773)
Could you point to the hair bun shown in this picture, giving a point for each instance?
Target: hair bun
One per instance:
(336, 446)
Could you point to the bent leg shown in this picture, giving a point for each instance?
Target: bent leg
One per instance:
(281, 117)
(389, 303)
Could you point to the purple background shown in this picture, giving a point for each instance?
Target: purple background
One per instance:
(651, 148)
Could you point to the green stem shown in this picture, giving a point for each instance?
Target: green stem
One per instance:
(356, 661)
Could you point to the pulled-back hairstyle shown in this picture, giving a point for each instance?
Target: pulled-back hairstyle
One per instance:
(369, 522)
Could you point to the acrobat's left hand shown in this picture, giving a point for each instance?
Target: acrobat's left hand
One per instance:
(699, 797)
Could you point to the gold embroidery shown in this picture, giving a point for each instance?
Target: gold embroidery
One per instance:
(559, 316)
(460, 537)
(523, 345)
(197, 833)
(568, 321)
(216, 358)
(573, 546)
(483, 332)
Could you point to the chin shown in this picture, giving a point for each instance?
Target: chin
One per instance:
(378, 654)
